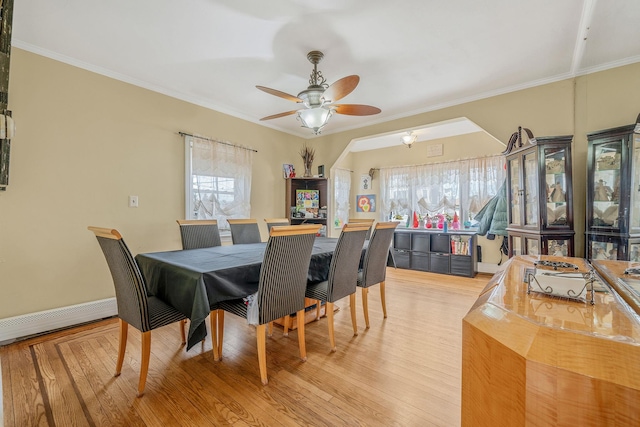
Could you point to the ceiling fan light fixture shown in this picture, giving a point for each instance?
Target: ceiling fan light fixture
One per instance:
(319, 98)
(312, 97)
(315, 118)
(409, 139)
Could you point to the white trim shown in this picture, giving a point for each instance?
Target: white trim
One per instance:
(12, 328)
(487, 267)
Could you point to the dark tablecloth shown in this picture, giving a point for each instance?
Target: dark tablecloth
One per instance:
(194, 280)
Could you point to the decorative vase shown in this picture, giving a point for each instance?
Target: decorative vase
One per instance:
(307, 170)
(307, 155)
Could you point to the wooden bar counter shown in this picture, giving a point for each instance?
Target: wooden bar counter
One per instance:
(536, 360)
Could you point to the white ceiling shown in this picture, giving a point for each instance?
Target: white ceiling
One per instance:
(412, 56)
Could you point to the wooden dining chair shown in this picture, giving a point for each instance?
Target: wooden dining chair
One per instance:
(199, 233)
(391, 260)
(343, 277)
(135, 306)
(244, 231)
(374, 266)
(281, 288)
(361, 221)
(275, 221)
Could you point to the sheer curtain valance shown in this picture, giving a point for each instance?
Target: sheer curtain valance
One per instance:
(462, 186)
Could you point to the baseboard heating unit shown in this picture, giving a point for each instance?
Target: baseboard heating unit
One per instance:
(14, 328)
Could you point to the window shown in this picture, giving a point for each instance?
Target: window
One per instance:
(342, 189)
(462, 186)
(218, 180)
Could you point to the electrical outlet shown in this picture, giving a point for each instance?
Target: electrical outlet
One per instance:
(133, 201)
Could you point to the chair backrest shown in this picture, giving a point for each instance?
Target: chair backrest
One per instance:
(360, 221)
(131, 291)
(275, 221)
(284, 271)
(374, 267)
(199, 233)
(343, 271)
(244, 231)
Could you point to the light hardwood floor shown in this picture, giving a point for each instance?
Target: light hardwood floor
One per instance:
(403, 371)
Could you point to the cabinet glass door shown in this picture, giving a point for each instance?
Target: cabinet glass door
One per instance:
(555, 178)
(516, 187)
(533, 246)
(606, 185)
(559, 247)
(530, 171)
(634, 215)
(604, 250)
(516, 245)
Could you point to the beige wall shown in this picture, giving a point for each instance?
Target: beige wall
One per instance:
(85, 142)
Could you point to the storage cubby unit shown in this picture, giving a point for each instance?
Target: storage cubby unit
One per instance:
(311, 211)
(453, 252)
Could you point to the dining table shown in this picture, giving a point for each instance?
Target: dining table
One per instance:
(194, 281)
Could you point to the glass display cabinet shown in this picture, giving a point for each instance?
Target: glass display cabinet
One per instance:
(613, 194)
(539, 195)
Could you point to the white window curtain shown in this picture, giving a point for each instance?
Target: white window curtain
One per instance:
(218, 180)
(342, 191)
(461, 186)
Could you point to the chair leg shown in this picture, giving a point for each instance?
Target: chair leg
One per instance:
(270, 330)
(332, 337)
(318, 309)
(122, 346)
(144, 363)
(182, 333)
(287, 319)
(365, 306)
(301, 341)
(352, 305)
(213, 319)
(262, 353)
(382, 298)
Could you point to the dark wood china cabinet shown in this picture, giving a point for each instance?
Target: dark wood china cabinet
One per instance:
(539, 195)
(613, 194)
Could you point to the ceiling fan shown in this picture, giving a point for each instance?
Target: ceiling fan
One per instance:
(318, 99)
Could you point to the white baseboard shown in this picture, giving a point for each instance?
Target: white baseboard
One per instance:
(487, 267)
(12, 328)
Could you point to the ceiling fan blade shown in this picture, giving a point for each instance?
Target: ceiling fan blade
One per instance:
(275, 116)
(341, 88)
(356, 109)
(279, 93)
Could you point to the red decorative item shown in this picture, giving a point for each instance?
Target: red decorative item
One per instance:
(416, 222)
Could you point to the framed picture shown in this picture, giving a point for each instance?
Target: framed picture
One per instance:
(366, 203)
(288, 170)
(308, 201)
(365, 182)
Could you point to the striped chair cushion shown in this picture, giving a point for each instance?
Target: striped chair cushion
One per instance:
(375, 260)
(200, 236)
(343, 272)
(318, 290)
(245, 233)
(162, 314)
